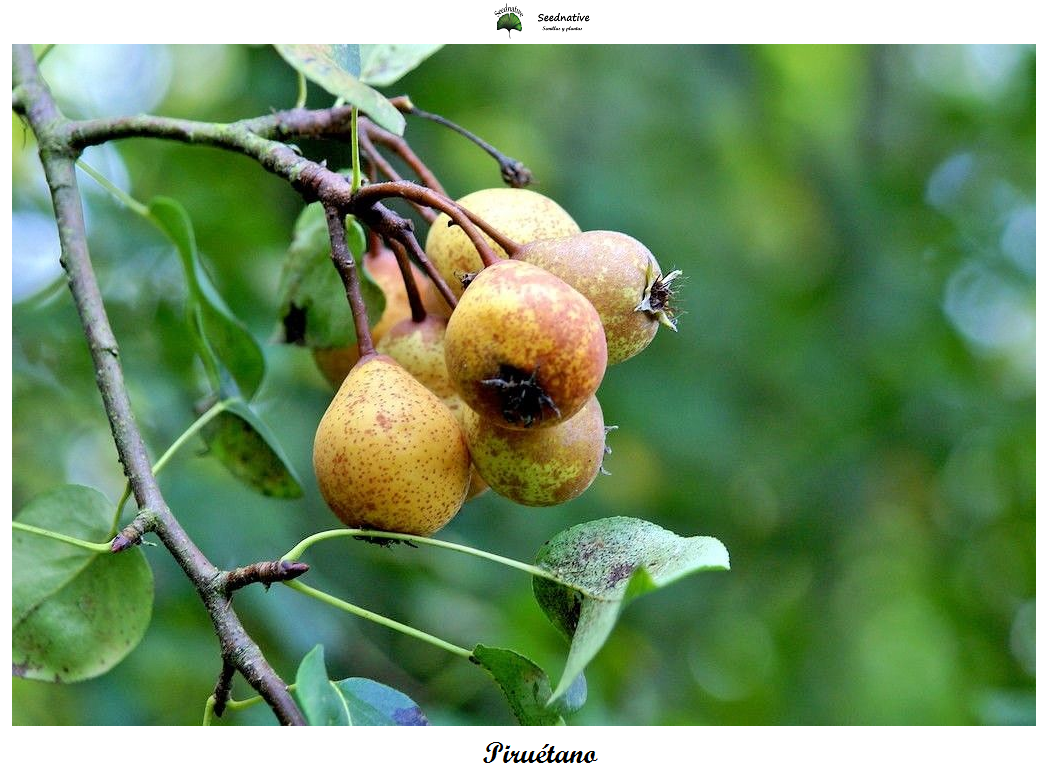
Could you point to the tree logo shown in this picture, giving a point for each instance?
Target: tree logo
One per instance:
(508, 19)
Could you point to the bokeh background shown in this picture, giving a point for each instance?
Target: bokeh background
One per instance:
(848, 404)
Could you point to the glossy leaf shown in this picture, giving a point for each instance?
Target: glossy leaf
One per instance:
(337, 68)
(75, 613)
(314, 311)
(222, 341)
(249, 450)
(319, 699)
(385, 63)
(372, 703)
(605, 563)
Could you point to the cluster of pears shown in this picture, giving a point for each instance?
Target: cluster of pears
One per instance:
(500, 394)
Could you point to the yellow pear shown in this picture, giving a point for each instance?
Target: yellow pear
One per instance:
(417, 346)
(519, 214)
(389, 454)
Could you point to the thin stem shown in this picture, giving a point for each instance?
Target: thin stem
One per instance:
(193, 429)
(513, 171)
(336, 533)
(401, 148)
(234, 705)
(355, 150)
(92, 546)
(118, 193)
(412, 245)
(208, 710)
(303, 90)
(382, 164)
(223, 687)
(47, 49)
(466, 220)
(417, 306)
(199, 423)
(366, 614)
(120, 507)
(346, 266)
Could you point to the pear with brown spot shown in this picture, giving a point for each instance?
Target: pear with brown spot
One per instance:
(389, 454)
(540, 467)
(523, 348)
(619, 276)
(519, 214)
(383, 268)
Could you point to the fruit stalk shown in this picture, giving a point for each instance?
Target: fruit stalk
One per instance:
(402, 149)
(382, 165)
(417, 307)
(469, 222)
(346, 266)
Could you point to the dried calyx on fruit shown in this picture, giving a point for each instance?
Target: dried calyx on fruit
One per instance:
(619, 276)
(389, 454)
(520, 215)
(523, 348)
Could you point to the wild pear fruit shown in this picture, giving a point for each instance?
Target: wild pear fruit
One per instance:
(388, 454)
(539, 467)
(619, 276)
(523, 348)
(417, 346)
(519, 214)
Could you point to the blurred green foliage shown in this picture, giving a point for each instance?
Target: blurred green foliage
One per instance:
(848, 404)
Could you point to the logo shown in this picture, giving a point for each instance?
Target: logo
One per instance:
(508, 19)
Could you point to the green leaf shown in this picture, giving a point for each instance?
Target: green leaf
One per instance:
(314, 311)
(385, 63)
(337, 68)
(526, 687)
(350, 701)
(320, 701)
(372, 703)
(75, 613)
(605, 563)
(222, 341)
(246, 446)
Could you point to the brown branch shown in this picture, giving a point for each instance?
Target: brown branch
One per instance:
(393, 227)
(58, 156)
(390, 173)
(401, 148)
(350, 278)
(513, 171)
(223, 687)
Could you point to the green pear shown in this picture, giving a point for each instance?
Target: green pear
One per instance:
(539, 467)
